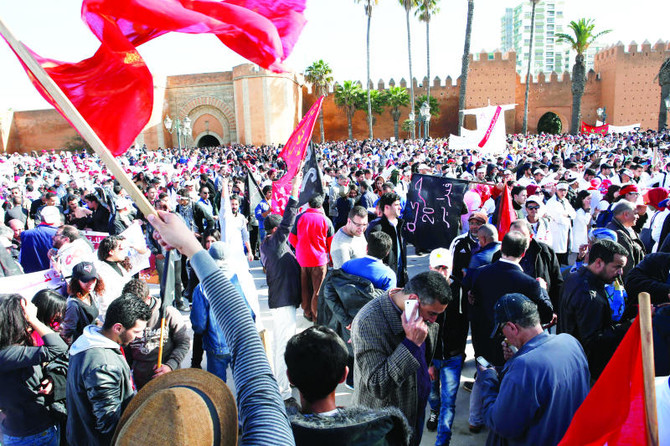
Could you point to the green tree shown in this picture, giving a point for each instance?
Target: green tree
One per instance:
(550, 123)
(408, 126)
(465, 64)
(347, 96)
(368, 4)
(530, 59)
(583, 36)
(664, 82)
(396, 97)
(408, 5)
(320, 76)
(426, 9)
(377, 103)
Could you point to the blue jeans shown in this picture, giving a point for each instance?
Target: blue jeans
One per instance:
(443, 393)
(49, 437)
(218, 364)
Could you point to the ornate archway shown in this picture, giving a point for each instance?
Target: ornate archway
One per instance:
(210, 139)
(216, 107)
(550, 123)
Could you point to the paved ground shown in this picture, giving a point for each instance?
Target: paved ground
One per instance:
(416, 264)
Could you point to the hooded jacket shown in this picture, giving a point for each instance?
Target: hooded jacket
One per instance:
(98, 388)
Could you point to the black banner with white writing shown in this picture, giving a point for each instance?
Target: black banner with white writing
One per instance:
(312, 183)
(433, 211)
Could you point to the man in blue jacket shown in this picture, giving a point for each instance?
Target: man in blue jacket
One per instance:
(533, 399)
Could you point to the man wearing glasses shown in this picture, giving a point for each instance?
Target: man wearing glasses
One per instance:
(349, 242)
(533, 380)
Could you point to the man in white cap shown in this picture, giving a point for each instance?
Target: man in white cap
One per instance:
(36, 242)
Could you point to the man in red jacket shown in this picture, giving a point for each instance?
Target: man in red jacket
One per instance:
(311, 236)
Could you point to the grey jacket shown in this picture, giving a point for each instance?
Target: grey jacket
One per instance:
(98, 388)
(384, 369)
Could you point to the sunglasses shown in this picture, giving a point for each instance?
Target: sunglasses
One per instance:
(532, 208)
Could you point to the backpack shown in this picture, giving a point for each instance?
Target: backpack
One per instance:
(604, 217)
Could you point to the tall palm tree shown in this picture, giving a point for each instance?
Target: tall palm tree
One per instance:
(465, 64)
(396, 97)
(346, 96)
(530, 59)
(664, 82)
(408, 5)
(320, 76)
(378, 101)
(426, 9)
(582, 37)
(368, 4)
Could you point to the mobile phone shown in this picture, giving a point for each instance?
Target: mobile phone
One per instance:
(410, 304)
(483, 363)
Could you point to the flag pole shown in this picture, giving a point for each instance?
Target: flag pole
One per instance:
(75, 118)
(648, 371)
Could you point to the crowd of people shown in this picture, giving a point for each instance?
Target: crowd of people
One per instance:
(590, 232)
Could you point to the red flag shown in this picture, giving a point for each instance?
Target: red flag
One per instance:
(292, 154)
(613, 412)
(507, 214)
(601, 129)
(113, 90)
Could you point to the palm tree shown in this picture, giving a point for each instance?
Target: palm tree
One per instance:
(396, 97)
(320, 76)
(346, 96)
(426, 9)
(378, 101)
(530, 59)
(582, 37)
(465, 64)
(368, 12)
(664, 82)
(408, 5)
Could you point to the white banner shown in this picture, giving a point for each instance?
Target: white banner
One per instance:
(28, 285)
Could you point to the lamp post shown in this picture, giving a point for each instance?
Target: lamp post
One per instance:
(425, 117)
(602, 114)
(182, 128)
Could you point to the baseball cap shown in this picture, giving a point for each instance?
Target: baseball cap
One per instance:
(439, 257)
(84, 271)
(511, 307)
(479, 216)
(562, 186)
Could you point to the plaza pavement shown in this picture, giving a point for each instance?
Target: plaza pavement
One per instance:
(416, 264)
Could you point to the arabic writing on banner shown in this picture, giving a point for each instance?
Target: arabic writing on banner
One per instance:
(95, 238)
(28, 285)
(433, 210)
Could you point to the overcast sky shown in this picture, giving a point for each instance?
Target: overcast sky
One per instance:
(335, 32)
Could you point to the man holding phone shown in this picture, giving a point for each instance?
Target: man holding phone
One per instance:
(533, 380)
(392, 350)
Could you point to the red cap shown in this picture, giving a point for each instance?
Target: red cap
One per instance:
(627, 189)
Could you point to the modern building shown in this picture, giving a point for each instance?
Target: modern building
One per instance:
(548, 55)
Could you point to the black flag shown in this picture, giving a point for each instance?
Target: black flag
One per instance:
(312, 182)
(254, 195)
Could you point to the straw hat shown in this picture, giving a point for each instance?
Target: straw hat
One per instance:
(184, 407)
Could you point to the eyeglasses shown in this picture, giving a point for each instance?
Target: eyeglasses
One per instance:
(532, 208)
(358, 225)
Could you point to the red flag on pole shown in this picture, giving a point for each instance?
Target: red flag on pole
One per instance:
(507, 214)
(293, 153)
(601, 129)
(613, 413)
(113, 90)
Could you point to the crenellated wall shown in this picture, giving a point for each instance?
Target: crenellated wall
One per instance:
(250, 105)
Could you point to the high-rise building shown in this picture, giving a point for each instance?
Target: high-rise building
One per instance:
(548, 56)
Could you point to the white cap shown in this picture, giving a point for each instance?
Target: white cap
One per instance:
(439, 257)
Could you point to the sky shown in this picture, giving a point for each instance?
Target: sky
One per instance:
(335, 32)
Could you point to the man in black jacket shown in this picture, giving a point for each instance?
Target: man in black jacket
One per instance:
(391, 223)
(283, 278)
(540, 262)
(585, 310)
(624, 218)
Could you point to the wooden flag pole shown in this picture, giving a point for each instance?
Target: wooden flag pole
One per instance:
(79, 123)
(648, 371)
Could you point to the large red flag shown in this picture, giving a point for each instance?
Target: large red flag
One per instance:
(613, 412)
(507, 214)
(293, 153)
(601, 129)
(113, 90)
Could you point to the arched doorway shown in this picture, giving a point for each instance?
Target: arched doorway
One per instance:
(550, 123)
(209, 141)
